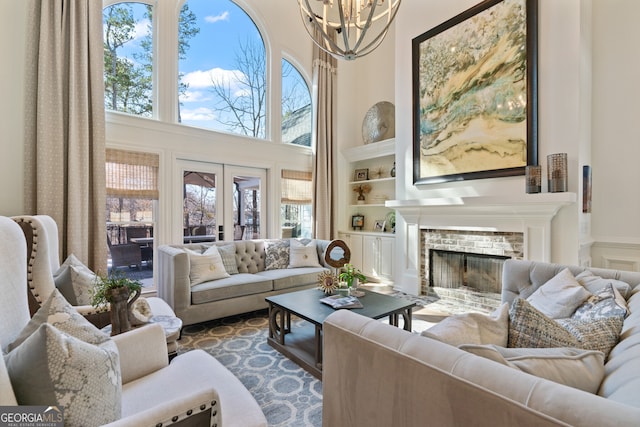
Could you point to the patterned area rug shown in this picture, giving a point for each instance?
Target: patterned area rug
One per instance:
(287, 394)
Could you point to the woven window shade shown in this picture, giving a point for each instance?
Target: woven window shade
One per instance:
(132, 174)
(296, 187)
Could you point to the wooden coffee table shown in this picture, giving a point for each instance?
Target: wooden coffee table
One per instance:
(303, 344)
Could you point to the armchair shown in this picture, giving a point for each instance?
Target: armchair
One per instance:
(194, 389)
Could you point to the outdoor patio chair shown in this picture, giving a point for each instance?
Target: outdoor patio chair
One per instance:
(125, 255)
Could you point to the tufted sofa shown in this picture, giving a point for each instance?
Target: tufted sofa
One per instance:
(420, 380)
(239, 293)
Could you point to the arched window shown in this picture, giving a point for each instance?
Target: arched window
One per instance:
(222, 76)
(296, 107)
(128, 53)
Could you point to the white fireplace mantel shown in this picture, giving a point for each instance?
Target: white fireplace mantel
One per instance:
(530, 214)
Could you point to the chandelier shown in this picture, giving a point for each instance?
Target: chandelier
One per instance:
(348, 29)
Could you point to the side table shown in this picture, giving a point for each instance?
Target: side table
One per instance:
(172, 326)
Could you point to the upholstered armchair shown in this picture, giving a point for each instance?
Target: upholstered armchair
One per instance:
(194, 389)
(41, 233)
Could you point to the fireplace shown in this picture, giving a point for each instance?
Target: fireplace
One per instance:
(465, 266)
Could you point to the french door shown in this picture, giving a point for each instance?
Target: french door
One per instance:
(220, 202)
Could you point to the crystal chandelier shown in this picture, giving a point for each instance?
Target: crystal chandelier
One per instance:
(348, 29)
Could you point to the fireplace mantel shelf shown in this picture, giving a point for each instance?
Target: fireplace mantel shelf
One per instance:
(542, 204)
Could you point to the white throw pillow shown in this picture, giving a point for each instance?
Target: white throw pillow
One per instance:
(581, 369)
(560, 296)
(53, 368)
(473, 328)
(595, 283)
(206, 266)
(301, 255)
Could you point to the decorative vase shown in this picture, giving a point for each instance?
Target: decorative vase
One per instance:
(120, 305)
(393, 170)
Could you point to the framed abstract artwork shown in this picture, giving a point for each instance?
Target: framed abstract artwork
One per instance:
(475, 94)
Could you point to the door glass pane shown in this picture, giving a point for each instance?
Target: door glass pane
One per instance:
(199, 204)
(246, 207)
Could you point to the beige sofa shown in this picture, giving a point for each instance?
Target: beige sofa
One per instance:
(239, 293)
(378, 375)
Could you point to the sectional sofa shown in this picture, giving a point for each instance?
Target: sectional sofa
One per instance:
(379, 375)
(257, 269)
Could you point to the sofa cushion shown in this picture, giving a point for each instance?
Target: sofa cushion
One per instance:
(303, 254)
(607, 302)
(53, 368)
(581, 369)
(596, 334)
(228, 254)
(206, 266)
(75, 281)
(529, 328)
(233, 286)
(291, 278)
(559, 297)
(276, 254)
(595, 283)
(473, 328)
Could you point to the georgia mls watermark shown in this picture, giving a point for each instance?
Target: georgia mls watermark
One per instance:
(31, 416)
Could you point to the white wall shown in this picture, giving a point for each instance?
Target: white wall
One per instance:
(12, 40)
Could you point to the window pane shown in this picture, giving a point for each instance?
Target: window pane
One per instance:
(295, 207)
(128, 53)
(200, 216)
(296, 107)
(246, 207)
(222, 69)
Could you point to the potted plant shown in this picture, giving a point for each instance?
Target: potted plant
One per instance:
(351, 275)
(120, 292)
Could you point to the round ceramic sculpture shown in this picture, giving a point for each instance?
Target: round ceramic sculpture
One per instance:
(379, 123)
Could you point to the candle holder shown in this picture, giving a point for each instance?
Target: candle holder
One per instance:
(557, 172)
(533, 178)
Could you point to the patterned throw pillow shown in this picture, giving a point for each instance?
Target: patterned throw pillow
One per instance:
(529, 327)
(598, 334)
(303, 255)
(57, 311)
(276, 254)
(51, 367)
(228, 254)
(605, 303)
(75, 281)
(206, 266)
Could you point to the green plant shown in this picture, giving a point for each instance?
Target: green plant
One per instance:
(101, 291)
(350, 273)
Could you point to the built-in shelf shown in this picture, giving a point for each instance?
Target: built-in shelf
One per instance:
(373, 180)
(370, 151)
(369, 205)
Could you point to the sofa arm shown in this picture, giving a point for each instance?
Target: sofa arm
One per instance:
(142, 351)
(174, 285)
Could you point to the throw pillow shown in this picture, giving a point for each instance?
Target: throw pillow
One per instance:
(560, 296)
(75, 281)
(303, 255)
(206, 266)
(473, 328)
(598, 334)
(581, 369)
(605, 303)
(228, 254)
(57, 311)
(595, 283)
(529, 328)
(276, 254)
(52, 368)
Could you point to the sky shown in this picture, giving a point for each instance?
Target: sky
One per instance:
(223, 25)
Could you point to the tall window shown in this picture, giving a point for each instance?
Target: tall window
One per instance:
(296, 107)
(128, 53)
(132, 188)
(223, 78)
(296, 204)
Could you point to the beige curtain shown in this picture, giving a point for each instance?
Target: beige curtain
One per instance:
(324, 85)
(64, 132)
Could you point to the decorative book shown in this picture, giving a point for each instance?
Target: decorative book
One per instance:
(339, 301)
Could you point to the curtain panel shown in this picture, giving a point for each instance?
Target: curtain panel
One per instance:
(65, 124)
(325, 68)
